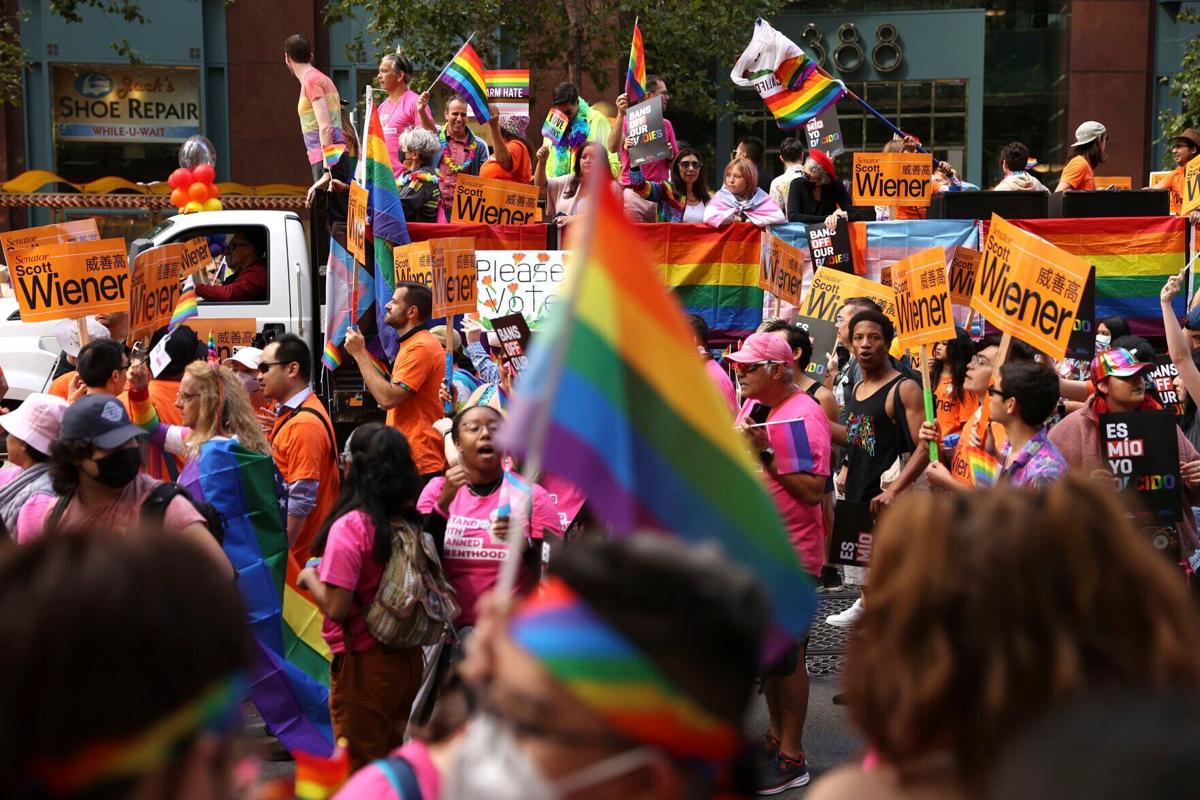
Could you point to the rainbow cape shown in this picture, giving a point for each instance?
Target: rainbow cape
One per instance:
(338, 285)
(464, 74)
(713, 271)
(635, 76)
(1133, 257)
(386, 226)
(290, 673)
(185, 309)
(632, 418)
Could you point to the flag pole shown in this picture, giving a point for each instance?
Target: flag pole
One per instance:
(541, 424)
(871, 110)
(448, 63)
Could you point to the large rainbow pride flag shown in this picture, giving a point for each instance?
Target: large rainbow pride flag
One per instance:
(1133, 257)
(634, 421)
(289, 678)
(465, 75)
(386, 225)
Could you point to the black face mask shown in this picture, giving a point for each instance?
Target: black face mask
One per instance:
(119, 468)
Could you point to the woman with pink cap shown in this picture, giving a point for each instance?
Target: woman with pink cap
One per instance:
(30, 430)
(817, 196)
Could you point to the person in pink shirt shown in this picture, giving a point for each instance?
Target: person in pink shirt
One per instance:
(371, 686)
(398, 112)
(637, 208)
(716, 372)
(793, 443)
(465, 503)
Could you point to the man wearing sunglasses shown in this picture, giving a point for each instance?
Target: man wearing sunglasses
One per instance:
(247, 280)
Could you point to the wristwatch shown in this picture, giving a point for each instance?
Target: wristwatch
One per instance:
(767, 457)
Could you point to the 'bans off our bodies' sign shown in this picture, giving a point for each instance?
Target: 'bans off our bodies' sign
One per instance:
(1027, 287)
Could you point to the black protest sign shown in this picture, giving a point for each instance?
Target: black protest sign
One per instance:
(1163, 378)
(823, 132)
(647, 138)
(830, 249)
(1082, 343)
(824, 339)
(513, 332)
(853, 536)
(1141, 449)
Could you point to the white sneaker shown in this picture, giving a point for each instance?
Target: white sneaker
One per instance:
(848, 617)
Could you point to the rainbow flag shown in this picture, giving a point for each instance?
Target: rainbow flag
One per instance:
(465, 75)
(1133, 257)
(984, 468)
(713, 271)
(508, 91)
(635, 76)
(386, 226)
(331, 154)
(789, 82)
(214, 358)
(796, 106)
(338, 285)
(289, 678)
(633, 419)
(319, 777)
(185, 309)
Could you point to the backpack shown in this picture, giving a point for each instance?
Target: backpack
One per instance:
(415, 604)
(154, 508)
(401, 776)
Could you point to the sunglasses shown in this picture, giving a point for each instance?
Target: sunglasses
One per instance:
(690, 165)
(746, 369)
(265, 366)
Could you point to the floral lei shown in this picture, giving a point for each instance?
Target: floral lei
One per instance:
(470, 156)
(416, 177)
(576, 134)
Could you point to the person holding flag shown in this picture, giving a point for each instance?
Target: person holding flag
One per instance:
(398, 112)
(462, 151)
(638, 89)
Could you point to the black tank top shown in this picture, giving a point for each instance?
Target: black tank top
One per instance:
(873, 440)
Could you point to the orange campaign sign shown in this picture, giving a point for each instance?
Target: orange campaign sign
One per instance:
(1113, 182)
(830, 288)
(1029, 288)
(1191, 187)
(963, 266)
(922, 299)
(494, 202)
(454, 278)
(414, 263)
(74, 279)
(230, 334)
(892, 179)
(197, 259)
(82, 230)
(154, 288)
(356, 223)
(780, 269)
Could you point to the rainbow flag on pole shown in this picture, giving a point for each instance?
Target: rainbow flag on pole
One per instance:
(635, 76)
(386, 226)
(630, 417)
(790, 83)
(465, 75)
(289, 678)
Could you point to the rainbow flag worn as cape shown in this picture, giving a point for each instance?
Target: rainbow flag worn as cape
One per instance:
(464, 74)
(338, 284)
(633, 419)
(289, 678)
(1133, 257)
(185, 309)
(386, 226)
(635, 76)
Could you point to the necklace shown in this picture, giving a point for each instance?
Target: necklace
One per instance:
(469, 156)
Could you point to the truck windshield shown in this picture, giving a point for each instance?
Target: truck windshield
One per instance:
(146, 241)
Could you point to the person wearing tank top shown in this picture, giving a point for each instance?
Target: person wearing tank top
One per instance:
(884, 416)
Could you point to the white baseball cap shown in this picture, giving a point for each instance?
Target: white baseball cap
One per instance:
(36, 421)
(66, 331)
(1088, 132)
(248, 357)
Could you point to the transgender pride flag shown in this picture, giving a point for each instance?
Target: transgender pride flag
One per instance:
(338, 287)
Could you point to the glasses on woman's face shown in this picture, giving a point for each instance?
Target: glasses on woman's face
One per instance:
(690, 165)
(188, 397)
(479, 427)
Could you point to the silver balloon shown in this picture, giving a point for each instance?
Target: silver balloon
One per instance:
(197, 150)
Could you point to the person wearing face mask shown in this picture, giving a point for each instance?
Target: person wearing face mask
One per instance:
(627, 675)
(94, 471)
(244, 363)
(461, 508)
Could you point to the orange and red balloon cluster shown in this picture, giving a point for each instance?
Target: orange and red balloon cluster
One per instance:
(195, 189)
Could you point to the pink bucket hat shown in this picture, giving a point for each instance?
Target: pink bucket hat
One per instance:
(36, 420)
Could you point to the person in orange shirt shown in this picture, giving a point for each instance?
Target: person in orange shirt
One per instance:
(302, 441)
(510, 155)
(66, 333)
(1184, 148)
(953, 404)
(411, 396)
(1091, 141)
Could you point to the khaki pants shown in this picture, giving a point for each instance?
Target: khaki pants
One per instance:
(370, 696)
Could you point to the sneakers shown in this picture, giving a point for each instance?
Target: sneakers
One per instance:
(831, 579)
(781, 773)
(848, 617)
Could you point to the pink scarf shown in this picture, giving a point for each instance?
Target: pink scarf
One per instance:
(726, 207)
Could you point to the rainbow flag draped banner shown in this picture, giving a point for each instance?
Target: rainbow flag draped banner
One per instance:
(1133, 257)
(386, 226)
(713, 271)
(619, 400)
(791, 84)
(337, 300)
(464, 74)
(635, 76)
(290, 675)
